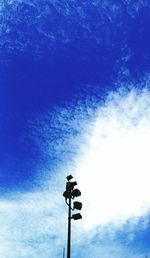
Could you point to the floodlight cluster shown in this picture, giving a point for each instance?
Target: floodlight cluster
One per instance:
(71, 193)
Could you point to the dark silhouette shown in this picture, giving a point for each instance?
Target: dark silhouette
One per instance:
(70, 194)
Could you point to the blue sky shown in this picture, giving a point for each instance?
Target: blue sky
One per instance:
(75, 98)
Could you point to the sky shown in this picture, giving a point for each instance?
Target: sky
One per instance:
(75, 99)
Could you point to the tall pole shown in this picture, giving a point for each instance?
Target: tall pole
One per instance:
(70, 194)
(63, 252)
(69, 227)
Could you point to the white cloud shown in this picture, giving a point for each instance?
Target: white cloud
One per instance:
(33, 224)
(112, 169)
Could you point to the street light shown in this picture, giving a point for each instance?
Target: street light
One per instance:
(70, 194)
(76, 216)
(70, 185)
(76, 193)
(77, 205)
(69, 177)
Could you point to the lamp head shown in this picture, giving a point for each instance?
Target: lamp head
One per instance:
(66, 194)
(77, 205)
(76, 193)
(69, 177)
(70, 185)
(76, 216)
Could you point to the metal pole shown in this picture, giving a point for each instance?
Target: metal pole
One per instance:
(69, 228)
(63, 252)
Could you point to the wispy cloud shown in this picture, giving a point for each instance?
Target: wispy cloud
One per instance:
(43, 20)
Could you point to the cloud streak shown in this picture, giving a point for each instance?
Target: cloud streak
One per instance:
(42, 20)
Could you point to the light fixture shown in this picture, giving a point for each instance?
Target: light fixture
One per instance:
(77, 205)
(75, 193)
(69, 177)
(76, 216)
(66, 194)
(70, 185)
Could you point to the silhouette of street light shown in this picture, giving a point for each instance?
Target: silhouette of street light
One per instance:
(69, 177)
(76, 216)
(70, 194)
(76, 193)
(77, 205)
